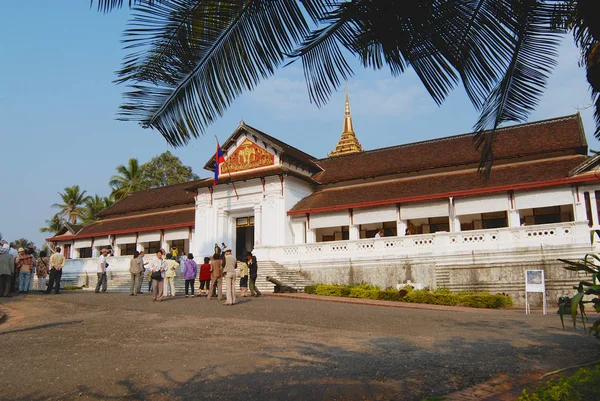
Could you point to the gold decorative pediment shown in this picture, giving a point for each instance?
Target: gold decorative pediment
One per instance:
(246, 157)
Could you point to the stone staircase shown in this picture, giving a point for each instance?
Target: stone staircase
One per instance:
(120, 282)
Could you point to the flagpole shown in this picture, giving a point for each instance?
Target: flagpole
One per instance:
(228, 171)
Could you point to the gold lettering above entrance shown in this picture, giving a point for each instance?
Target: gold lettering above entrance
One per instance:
(246, 157)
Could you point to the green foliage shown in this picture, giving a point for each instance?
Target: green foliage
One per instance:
(583, 385)
(128, 179)
(24, 243)
(576, 305)
(53, 225)
(72, 207)
(93, 206)
(165, 169)
(408, 294)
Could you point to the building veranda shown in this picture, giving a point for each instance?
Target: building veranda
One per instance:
(443, 224)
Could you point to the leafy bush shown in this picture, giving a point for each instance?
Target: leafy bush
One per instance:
(583, 385)
(408, 294)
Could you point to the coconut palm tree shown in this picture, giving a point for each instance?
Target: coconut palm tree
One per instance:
(93, 206)
(128, 180)
(53, 225)
(73, 199)
(190, 59)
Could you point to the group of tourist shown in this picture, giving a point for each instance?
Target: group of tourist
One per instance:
(19, 266)
(211, 274)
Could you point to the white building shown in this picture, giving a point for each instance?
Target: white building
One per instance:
(444, 225)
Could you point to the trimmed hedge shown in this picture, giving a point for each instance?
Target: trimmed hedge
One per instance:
(408, 294)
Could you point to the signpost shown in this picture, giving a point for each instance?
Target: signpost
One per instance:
(534, 282)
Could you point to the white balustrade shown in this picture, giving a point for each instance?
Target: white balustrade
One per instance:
(440, 243)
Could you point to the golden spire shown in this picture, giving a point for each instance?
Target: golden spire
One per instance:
(348, 142)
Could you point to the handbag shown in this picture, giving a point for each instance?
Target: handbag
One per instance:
(156, 275)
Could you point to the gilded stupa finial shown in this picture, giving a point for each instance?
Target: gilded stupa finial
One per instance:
(348, 142)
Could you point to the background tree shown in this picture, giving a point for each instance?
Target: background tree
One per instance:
(93, 206)
(24, 243)
(165, 169)
(72, 207)
(189, 60)
(128, 180)
(53, 225)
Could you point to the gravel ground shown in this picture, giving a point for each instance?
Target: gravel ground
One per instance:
(85, 346)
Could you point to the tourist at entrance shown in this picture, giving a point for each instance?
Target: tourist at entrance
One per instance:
(253, 270)
(190, 269)
(25, 266)
(175, 253)
(57, 262)
(101, 271)
(205, 276)
(379, 233)
(139, 287)
(243, 278)
(217, 249)
(158, 267)
(170, 275)
(42, 269)
(229, 271)
(216, 277)
(7, 269)
(136, 269)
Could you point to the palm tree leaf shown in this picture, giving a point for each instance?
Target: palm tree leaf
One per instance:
(201, 55)
(110, 5)
(516, 95)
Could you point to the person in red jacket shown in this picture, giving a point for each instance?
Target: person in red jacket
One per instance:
(205, 276)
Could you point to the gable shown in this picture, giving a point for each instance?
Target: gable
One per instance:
(247, 156)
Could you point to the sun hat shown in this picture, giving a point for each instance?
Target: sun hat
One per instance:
(21, 250)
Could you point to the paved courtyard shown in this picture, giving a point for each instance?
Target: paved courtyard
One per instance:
(85, 346)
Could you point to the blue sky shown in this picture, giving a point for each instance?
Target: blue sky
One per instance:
(58, 105)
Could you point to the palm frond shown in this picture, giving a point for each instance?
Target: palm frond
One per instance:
(201, 56)
(518, 92)
(107, 6)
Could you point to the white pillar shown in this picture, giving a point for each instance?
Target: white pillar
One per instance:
(401, 227)
(257, 225)
(311, 236)
(514, 219)
(354, 233)
(594, 207)
(580, 214)
(117, 249)
(139, 247)
(75, 253)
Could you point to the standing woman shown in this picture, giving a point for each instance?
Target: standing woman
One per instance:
(157, 271)
(243, 278)
(136, 267)
(216, 276)
(43, 268)
(205, 276)
(190, 269)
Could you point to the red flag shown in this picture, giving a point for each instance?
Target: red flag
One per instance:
(218, 160)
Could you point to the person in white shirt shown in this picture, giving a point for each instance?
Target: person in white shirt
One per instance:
(157, 272)
(101, 271)
(379, 234)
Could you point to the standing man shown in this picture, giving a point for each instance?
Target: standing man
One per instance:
(57, 262)
(136, 268)
(7, 269)
(25, 265)
(139, 288)
(253, 267)
(230, 265)
(101, 271)
(13, 277)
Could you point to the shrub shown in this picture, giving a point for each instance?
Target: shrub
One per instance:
(358, 292)
(389, 294)
(310, 289)
(331, 290)
(583, 385)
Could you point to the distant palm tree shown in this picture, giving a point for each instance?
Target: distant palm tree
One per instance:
(53, 225)
(73, 199)
(93, 206)
(128, 180)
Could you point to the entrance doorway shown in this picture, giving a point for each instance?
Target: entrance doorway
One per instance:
(244, 236)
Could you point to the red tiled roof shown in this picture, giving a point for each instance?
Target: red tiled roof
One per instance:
(537, 138)
(181, 218)
(503, 178)
(156, 198)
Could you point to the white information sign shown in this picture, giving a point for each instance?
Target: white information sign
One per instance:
(534, 282)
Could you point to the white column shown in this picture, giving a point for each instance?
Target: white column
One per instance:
(579, 211)
(139, 247)
(354, 233)
(401, 227)
(75, 253)
(514, 219)
(311, 236)
(594, 207)
(257, 225)
(117, 250)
